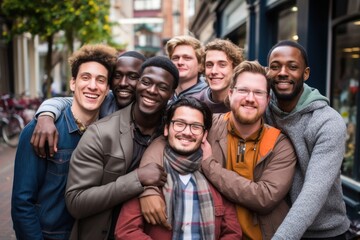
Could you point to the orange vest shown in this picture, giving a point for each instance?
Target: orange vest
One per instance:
(245, 166)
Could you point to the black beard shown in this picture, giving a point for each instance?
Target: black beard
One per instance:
(291, 96)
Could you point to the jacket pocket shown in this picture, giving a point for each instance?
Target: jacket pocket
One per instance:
(114, 168)
(59, 163)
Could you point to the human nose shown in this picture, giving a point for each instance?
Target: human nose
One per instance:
(214, 69)
(283, 71)
(92, 83)
(187, 129)
(181, 61)
(123, 80)
(152, 89)
(250, 96)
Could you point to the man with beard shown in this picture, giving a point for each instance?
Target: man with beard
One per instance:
(193, 205)
(318, 133)
(252, 164)
(122, 84)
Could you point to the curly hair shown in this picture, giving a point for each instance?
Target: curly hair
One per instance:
(185, 40)
(101, 53)
(233, 52)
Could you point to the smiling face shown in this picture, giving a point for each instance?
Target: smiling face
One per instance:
(153, 90)
(90, 88)
(127, 74)
(248, 109)
(184, 57)
(218, 70)
(287, 73)
(185, 142)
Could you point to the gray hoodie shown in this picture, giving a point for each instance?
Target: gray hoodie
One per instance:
(318, 134)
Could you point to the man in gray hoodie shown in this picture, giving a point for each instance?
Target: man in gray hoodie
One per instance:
(318, 134)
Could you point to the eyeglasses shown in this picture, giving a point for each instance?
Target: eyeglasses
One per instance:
(180, 126)
(246, 92)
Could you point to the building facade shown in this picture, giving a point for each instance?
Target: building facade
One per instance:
(328, 29)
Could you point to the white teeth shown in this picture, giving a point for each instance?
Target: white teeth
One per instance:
(91, 95)
(148, 100)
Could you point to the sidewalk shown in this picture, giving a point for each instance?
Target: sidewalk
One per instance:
(7, 157)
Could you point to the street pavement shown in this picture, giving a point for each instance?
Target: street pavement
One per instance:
(7, 157)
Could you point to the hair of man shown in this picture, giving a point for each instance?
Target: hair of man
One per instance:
(192, 103)
(101, 53)
(247, 66)
(290, 43)
(164, 63)
(233, 52)
(186, 40)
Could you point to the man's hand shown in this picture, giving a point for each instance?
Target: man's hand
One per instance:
(154, 210)
(45, 131)
(152, 174)
(206, 148)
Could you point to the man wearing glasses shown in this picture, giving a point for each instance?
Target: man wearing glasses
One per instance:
(194, 208)
(251, 163)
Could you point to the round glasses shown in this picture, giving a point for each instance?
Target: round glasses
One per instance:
(180, 126)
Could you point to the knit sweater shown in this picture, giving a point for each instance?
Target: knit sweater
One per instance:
(318, 134)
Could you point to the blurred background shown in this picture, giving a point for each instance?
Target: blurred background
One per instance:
(37, 36)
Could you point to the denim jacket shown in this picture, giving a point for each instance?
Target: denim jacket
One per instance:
(38, 205)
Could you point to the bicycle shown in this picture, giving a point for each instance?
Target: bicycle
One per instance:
(11, 122)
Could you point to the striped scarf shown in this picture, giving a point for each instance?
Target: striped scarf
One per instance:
(176, 164)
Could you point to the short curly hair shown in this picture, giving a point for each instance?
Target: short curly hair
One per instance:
(101, 53)
(233, 52)
(186, 40)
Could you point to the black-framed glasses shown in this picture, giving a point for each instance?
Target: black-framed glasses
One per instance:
(195, 128)
(245, 92)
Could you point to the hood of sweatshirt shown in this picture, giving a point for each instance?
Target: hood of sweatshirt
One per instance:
(310, 99)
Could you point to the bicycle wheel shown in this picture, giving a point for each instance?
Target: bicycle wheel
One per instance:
(12, 129)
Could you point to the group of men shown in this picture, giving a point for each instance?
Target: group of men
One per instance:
(230, 161)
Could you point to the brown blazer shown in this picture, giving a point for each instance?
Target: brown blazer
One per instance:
(97, 180)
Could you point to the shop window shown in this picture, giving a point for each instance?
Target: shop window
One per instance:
(287, 24)
(345, 85)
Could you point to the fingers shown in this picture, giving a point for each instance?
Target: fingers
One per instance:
(35, 143)
(52, 142)
(163, 219)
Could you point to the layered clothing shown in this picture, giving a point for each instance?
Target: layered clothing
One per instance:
(263, 189)
(318, 133)
(211, 216)
(98, 180)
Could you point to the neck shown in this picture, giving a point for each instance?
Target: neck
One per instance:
(219, 96)
(287, 105)
(147, 123)
(84, 118)
(185, 84)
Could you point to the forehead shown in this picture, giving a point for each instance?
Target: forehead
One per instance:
(286, 53)
(158, 74)
(128, 64)
(188, 114)
(251, 80)
(216, 56)
(184, 50)
(93, 68)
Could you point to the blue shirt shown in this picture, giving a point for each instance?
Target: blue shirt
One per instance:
(38, 205)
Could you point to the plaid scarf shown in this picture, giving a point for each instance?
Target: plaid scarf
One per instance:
(176, 164)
